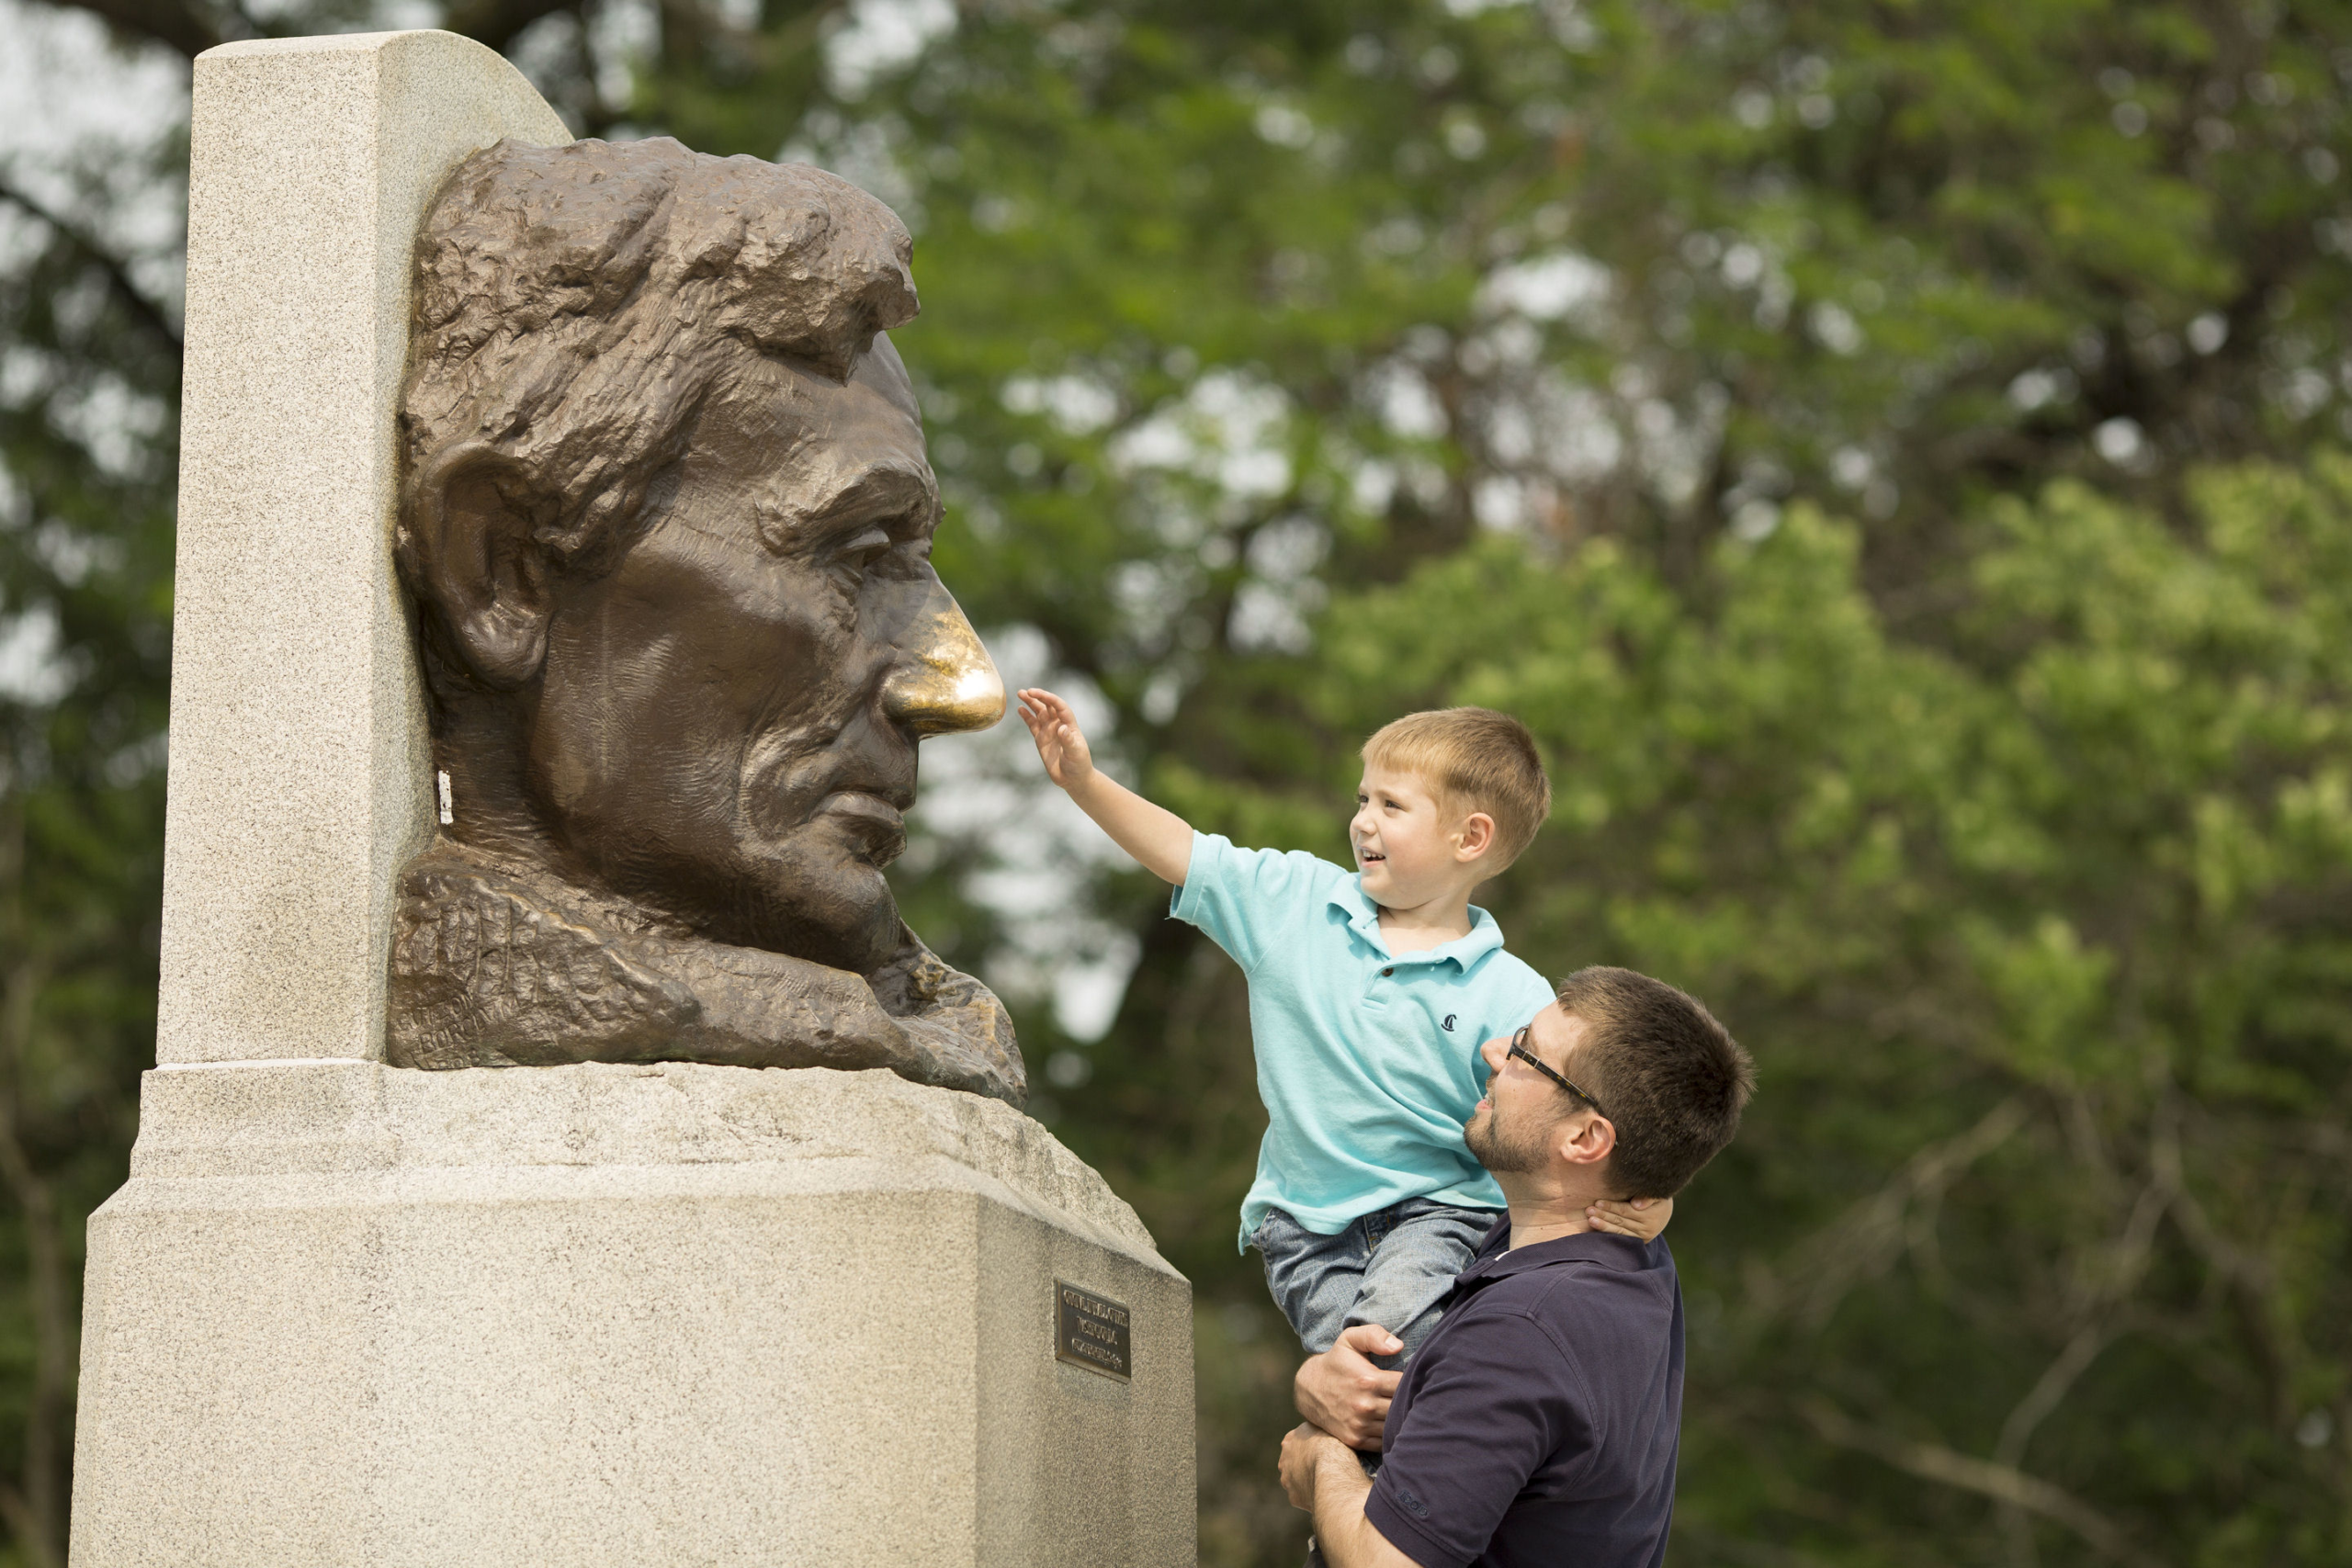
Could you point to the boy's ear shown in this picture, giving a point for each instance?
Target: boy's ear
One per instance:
(471, 556)
(1475, 837)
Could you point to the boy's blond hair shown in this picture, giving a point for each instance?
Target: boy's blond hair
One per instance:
(1471, 759)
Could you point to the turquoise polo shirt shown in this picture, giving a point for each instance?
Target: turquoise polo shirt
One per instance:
(1367, 1061)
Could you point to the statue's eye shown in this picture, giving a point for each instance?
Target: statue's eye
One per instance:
(855, 555)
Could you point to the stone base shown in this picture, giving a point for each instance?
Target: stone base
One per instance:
(613, 1316)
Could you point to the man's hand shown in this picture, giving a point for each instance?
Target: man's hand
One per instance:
(1298, 1463)
(1341, 1392)
(1323, 1478)
(1641, 1218)
(1061, 745)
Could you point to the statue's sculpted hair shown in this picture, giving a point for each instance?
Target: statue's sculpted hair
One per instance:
(576, 305)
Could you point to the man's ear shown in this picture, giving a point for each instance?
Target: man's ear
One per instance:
(470, 556)
(1476, 835)
(1587, 1138)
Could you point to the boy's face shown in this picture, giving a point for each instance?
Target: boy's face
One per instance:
(1407, 848)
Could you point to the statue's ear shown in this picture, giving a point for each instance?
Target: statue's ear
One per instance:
(470, 554)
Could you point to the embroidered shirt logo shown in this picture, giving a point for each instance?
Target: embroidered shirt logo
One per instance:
(1448, 1024)
(1412, 1504)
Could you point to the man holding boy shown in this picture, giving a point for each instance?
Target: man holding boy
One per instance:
(1540, 1417)
(1369, 992)
(1540, 1421)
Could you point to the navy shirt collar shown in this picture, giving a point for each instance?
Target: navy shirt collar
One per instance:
(1363, 919)
(1498, 1260)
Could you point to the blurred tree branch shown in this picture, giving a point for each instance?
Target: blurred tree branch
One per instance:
(35, 1508)
(1868, 1239)
(118, 279)
(497, 22)
(183, 25)
(191, 27)
(2003, 1483)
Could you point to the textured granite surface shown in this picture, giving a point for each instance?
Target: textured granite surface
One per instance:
(347, 1314)
(301, 775)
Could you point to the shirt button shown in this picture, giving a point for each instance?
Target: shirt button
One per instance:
(1388, 971)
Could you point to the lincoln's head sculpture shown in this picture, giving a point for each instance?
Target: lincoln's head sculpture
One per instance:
(666, 520)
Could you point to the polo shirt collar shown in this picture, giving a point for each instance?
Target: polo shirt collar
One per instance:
(1588, 1246)
(1363, 919)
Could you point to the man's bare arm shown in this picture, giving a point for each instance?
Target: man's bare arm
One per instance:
(1340, 1390)
(1323, 1476)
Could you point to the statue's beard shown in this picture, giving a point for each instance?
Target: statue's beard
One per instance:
(818, 893)
(783, 851)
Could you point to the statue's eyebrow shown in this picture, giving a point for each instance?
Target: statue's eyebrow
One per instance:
(881, 493)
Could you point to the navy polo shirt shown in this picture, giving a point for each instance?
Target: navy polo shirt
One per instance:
(1538, 1423)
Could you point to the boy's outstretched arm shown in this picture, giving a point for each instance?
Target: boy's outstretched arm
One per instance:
(1153, 834)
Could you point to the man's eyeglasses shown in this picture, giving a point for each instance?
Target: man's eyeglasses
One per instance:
(1518, 1049)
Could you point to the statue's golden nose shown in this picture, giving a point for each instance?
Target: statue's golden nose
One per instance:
(946, 681)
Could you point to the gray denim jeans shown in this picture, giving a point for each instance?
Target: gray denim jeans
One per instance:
(1391, 1266)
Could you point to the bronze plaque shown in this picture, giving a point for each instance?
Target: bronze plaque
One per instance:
(1091, 1331)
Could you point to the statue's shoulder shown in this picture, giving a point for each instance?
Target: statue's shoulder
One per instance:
(492, 966)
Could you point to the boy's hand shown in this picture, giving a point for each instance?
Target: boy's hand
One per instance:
(1641, 1218)
(1061, 745)
(1158, 839)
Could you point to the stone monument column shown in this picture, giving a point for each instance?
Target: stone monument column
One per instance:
(425, 1260)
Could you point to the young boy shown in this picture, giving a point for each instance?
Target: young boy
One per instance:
(1370, 995)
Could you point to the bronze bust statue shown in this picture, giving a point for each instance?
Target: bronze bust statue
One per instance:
(666, 520)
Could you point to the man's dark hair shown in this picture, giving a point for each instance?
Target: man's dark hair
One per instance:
(1670, 1077)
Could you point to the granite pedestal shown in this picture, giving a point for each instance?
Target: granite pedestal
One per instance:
(596, 1314)
(345, 1313)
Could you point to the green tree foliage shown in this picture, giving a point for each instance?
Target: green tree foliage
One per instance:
(1288, 367)
(86, 437)
(1216, 294)
(2042, 952)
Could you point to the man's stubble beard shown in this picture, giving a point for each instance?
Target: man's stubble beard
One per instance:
(1504, 1150)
